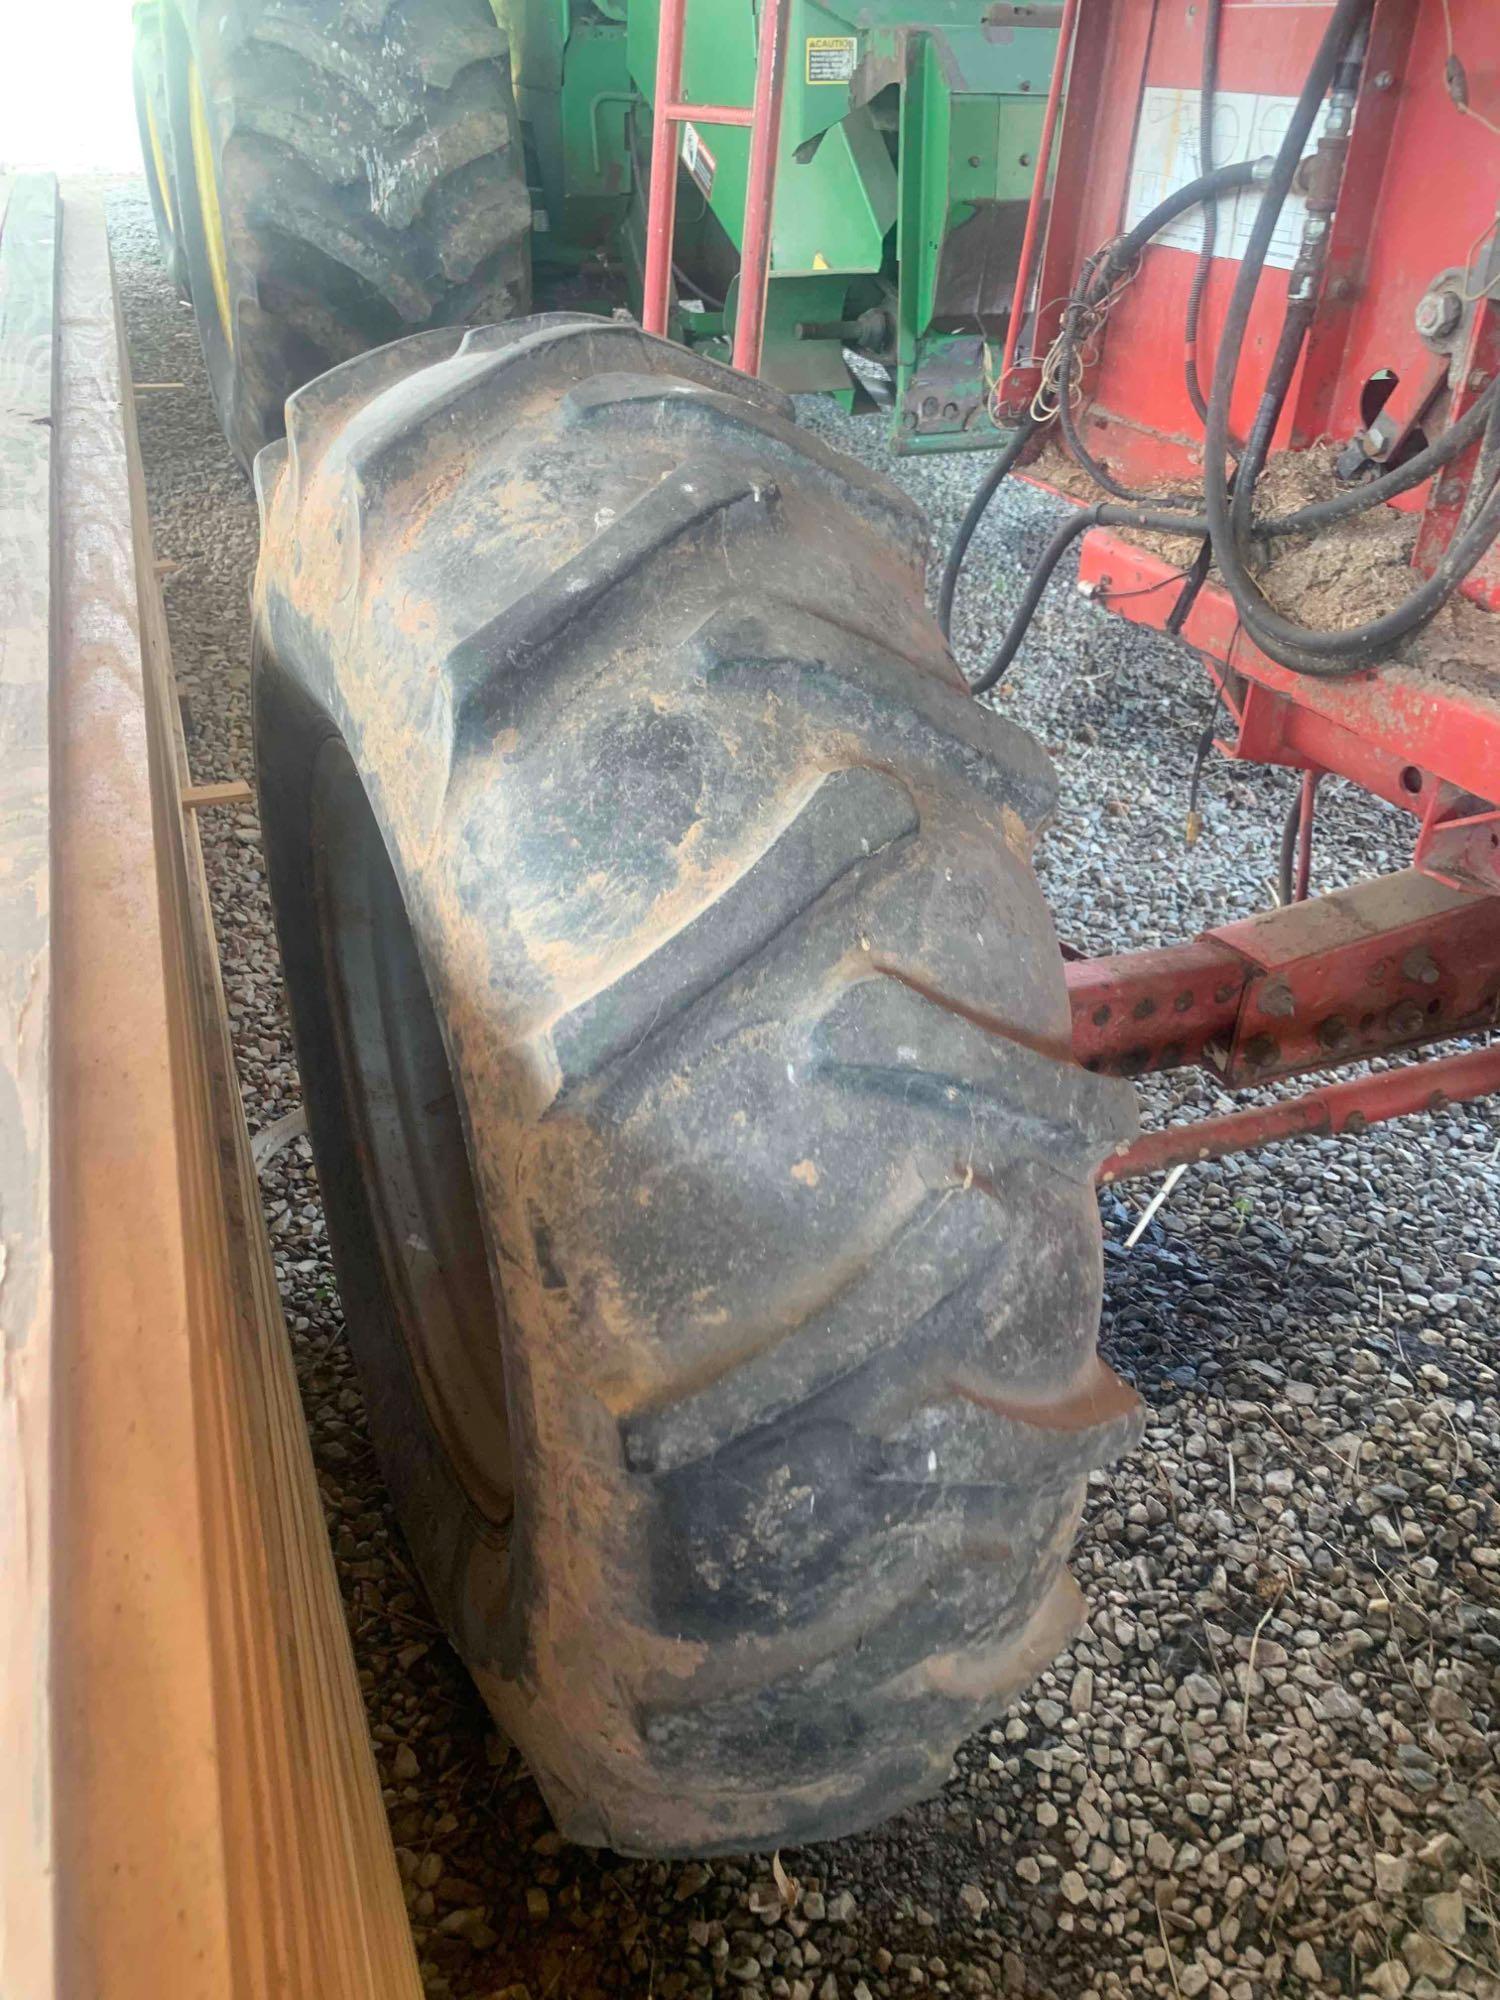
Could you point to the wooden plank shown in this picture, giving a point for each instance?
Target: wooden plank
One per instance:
(220, 792)
(28, 303)
(219, 1823)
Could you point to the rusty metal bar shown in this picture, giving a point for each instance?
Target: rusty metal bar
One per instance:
(1323, 1113)
(763, 118)
(1147, 1010)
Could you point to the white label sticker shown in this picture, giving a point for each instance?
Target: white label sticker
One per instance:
(698, 160)
(830, 58)
(1247, 126)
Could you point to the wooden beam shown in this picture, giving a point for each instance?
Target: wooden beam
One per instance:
(29, 237)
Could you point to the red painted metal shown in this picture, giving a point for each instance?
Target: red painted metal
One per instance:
(1147, 1010)
(1389, 965)
(1419, 199)
(765, 136)
(1322, 1113)
(1355, 224)
(1038, 204)
(1476, 365)
(1396, 730)
(661, 196)
(1419, 195)
(763, 118)
(1331, 979)
(1460, 842)
(711, 114)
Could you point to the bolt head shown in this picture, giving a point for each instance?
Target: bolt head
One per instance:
(1438, 314)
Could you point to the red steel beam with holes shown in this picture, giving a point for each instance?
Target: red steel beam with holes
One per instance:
(1146, 1010)
(1391, 964)
(1322, 1113)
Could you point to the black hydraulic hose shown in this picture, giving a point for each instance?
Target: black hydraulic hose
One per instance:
(1286, 852)
(1482, 415)
(1191, 590)
(1077, 449)
(1118, 256)
(1297, 646)
(1036, 584)
(1208, 92)
(1159, 520)
(1104, 268)
(1347, 16)
(1114, 260)
(1343, 651)
(1458, 437)
(1109, 267)
(1487, 465)
(1325, 184)
(984, 493)
(694, 290)
(1294, 331)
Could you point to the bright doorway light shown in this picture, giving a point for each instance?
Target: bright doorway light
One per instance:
(65, 91)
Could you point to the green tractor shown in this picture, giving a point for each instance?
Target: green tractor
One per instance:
(683, 1031)
(326, 179)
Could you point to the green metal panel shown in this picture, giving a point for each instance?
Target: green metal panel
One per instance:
(835, 203)
(574, 97)
(971, 115)
(924, 196)
(908, 134)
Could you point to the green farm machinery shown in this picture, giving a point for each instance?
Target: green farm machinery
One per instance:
(331, 186)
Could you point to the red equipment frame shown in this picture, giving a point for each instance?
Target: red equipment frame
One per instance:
(1419, 200)
(764, 120)
(1395, 963)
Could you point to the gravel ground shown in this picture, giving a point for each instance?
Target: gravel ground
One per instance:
(1270, 1763)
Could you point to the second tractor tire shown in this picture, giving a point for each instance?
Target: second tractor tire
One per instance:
(686, 1054)
(154, 125)
(345, 174)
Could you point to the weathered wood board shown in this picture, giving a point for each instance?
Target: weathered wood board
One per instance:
(190, 1804)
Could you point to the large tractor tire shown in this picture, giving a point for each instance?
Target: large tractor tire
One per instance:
(687, 1064)
(154, 123)
(356, 173)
